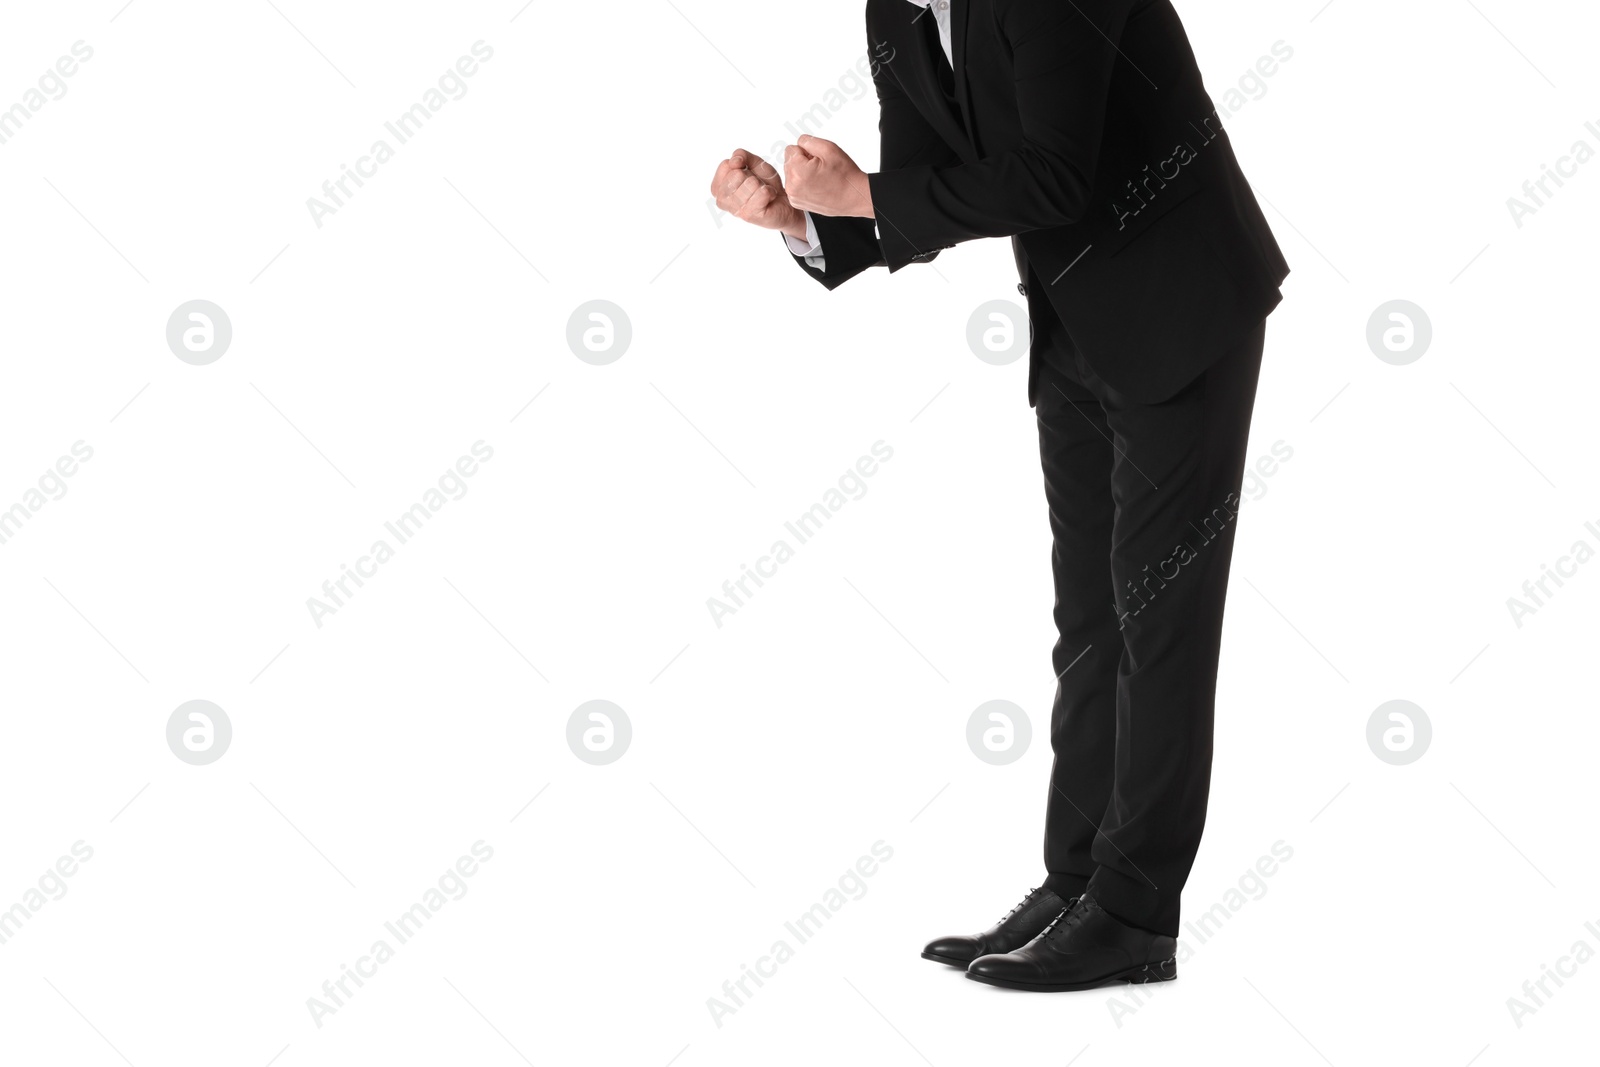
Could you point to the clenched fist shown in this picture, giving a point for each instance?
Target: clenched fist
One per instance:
(821, 178)
(748, 187)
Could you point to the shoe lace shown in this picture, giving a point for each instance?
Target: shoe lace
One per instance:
(1068, 917)
(1020, 905)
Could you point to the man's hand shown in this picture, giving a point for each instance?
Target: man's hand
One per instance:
(823, 179)
(748, 187)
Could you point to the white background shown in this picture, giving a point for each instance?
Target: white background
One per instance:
(829, 713)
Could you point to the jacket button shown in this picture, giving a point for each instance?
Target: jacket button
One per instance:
(1023, 289)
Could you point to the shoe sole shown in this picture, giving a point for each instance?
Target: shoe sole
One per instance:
(950, 961)
(1164, 971)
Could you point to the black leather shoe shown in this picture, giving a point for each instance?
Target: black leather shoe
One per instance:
(1084, 948)
(1019, 926)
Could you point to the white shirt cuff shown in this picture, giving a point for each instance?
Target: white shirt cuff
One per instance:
(811, 248)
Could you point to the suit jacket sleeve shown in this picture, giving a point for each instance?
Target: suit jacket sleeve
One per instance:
(852, 245)
(1062, 55)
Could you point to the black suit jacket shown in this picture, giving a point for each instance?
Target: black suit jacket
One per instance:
(1081, 130)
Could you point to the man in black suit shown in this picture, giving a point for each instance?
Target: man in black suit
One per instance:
(1080, 130)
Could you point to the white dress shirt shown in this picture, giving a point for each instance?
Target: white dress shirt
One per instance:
(941, 15)
(811, 247)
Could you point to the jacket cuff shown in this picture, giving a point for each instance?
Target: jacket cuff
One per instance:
(849, 248)
(894, 196)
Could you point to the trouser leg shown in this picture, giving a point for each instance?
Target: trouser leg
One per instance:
(1077, 457)
(1175, 479)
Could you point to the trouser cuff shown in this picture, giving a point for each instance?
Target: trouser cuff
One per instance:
(1134, 901)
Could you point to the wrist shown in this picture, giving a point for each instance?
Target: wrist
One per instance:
(796, 226)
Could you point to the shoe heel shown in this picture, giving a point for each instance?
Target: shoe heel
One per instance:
(1162, 971)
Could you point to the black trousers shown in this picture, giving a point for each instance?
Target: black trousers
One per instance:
(1143, 502)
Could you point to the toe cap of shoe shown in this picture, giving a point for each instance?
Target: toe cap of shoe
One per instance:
(1007, 965)
(954, 948)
